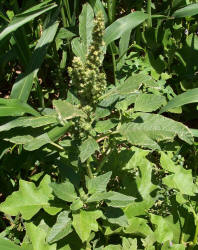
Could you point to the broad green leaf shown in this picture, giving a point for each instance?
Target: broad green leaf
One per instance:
(138, 226)
(87, 148)
(85, 222)
(33, 143)
(112, 198)
(27, 246)
(65, 34)
(138, 158)
(112, 229)
(149, 102)
(37, 142)
(172, 246)
(130, 86)
(96, 197)
(129, 244)
(101, 112)
(65, 247)
(109, 99)
(14, 107)
(33, 122)
(61, 228)
(139, 208)
(37, 236)
(66, 110)
(119, 200)
(23, 85)
(189, 10)
(86, 23)
(20, 139)
(144, 186)
(181, 180)
(76, 204)
(190, 96)
(167, 163)
(122, 25)
(124, 104)
(104, 126)
(6, 244)
(78, 49)
(23, 18)
(29, 199)
(116, 216)
(149, 129)
(98, 6)
(143, 181)
(166, 229)
(99, 183)
(64, 191)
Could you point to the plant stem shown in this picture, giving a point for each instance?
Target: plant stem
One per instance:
(111, 4)
(57, 146)
(40, 94)
(149, 12)
(114, 64)
(104, 158)
(89, 171)
(196, 232)
(66, 4)
(63, 16)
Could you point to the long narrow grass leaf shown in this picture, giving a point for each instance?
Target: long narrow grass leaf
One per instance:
(21, 19)
(14, 107)
(23, 86)
(123, 24)
(189, 10)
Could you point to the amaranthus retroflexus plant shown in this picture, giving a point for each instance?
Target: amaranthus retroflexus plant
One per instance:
(88, 78)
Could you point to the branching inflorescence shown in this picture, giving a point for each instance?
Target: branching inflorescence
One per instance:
(88, 78)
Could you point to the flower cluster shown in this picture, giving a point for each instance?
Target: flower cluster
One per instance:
(87, 77)
(83, 126)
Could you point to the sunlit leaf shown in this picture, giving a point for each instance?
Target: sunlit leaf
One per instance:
(87, 148)
(61, 228)
(85, 222)
(123, 24)
(99, 183)
(29, 199)
(149, 129)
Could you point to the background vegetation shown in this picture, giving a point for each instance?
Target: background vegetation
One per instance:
(98, 124)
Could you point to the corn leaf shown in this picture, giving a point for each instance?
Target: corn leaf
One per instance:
(14, 107)
(23, 18)
(22, 88)
(122, 25)
(189, 10)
